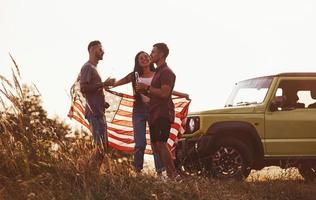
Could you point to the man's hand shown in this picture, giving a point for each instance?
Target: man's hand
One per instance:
(180, 94)
(141, 88)
(109, 82)
(186, 96)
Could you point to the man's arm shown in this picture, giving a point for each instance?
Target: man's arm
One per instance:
(88, 87)
(180, 94)
(85, 82)
(167, 83)
(162, 92)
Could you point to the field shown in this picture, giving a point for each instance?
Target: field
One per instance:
(38, 160)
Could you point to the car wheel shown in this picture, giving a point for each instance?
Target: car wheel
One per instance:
(231, 158)
(308, 172)
(190, 167)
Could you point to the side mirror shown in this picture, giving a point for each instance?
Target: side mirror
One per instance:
(276, 103)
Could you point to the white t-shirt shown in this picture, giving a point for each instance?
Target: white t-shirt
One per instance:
(146, 81)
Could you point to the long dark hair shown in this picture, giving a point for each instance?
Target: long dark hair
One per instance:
(139, 70)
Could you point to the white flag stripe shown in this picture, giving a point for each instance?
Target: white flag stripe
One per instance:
(124, 136)
(174, 131)
(126, 108)
(170, 142)
(120, 143)
(177, 120)
(148, 147)
(120, 117)
(121, 135)
(120, 127)
(178, 109)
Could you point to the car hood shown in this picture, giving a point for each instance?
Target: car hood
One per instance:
(229, 110)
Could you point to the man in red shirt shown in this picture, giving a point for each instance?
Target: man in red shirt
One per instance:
(161, 107)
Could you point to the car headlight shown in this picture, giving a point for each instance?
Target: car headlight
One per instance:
(192, 125)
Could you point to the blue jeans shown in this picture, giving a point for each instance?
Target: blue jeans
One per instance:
(99, 129)
(140, 117)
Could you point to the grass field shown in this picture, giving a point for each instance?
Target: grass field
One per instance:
(38, 160)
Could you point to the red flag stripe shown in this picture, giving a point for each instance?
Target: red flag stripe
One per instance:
(125, 102)
(78, 106)
(121, 147)
(119, 127)
(122, 123)
(120, 131)
(125, 140)
(124, 113)
(131, 137)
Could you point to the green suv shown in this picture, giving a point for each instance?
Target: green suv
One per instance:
(266, 121)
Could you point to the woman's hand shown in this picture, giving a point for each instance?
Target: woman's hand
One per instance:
(141, 88)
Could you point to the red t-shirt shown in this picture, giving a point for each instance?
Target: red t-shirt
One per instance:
(162, 107)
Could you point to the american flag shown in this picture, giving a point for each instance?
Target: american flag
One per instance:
(119, 118)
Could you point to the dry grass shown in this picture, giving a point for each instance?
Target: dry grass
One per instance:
(39, 161)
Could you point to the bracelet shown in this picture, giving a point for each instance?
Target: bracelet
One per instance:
(148, 90)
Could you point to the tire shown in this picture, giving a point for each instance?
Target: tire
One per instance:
(189, 167)
(230, 159)
(308, 172)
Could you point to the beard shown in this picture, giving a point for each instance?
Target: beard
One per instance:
(99, 56)
(154, 60)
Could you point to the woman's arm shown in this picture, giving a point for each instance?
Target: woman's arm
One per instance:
(180, 94)
(123, 81)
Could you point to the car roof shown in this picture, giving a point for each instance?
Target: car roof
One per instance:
(309, 74)
(288, 74)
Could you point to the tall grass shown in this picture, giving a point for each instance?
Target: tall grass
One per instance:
(38, 160)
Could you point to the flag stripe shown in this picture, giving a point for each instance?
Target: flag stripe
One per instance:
(127, 103)
(122, 123)
(124, 113)
(125, 140)
(120, 131)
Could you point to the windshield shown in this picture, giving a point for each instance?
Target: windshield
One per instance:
(250, 91)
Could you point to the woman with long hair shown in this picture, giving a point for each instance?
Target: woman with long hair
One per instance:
(143, 72)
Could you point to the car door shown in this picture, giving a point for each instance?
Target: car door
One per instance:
(291, 131)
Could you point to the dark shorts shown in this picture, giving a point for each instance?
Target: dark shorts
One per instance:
(99, 129)
(160, 130)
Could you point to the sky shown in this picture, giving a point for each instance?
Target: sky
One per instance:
(213, 44)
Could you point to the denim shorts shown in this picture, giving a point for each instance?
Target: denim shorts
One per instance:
(160, 130)
(99, 129)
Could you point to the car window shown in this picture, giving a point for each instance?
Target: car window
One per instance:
(305, 97)
(249, 92)
(297, 94)
(279, 92)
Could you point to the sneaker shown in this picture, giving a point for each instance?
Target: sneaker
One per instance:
(163, 178)
(177, 178)
(160, 173)
(138, 171)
